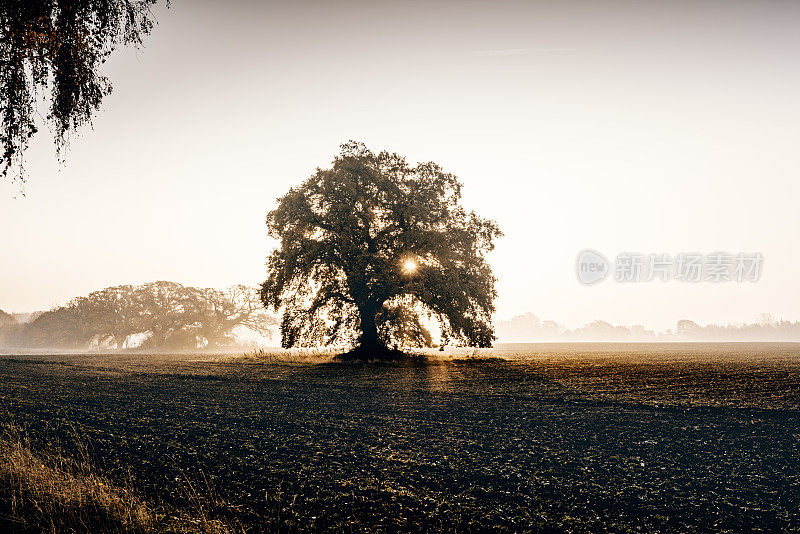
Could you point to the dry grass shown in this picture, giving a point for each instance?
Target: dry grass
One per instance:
(278, 355)
(53, 493)
(332, 354)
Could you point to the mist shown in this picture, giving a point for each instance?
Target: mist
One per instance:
(528, 328)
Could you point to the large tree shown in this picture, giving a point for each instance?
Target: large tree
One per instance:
(53, 49)
(373, 245)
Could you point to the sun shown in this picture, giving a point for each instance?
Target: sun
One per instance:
(409, 266)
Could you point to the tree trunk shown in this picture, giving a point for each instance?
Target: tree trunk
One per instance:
(369, 330)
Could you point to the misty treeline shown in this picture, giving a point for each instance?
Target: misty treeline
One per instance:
(529, 328)
(157, 315)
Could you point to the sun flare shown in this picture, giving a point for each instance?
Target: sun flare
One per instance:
(409, 266)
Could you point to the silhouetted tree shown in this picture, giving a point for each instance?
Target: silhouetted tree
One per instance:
(371, 241)
(54, 48)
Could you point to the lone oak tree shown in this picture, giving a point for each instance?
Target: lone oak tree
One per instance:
(54, 48)
(371, 246)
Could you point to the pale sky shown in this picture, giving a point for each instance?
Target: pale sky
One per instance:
(651, 127)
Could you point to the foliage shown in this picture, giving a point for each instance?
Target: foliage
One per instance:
(399, 324)
(370, 247)
(171, 315)
(57, 47)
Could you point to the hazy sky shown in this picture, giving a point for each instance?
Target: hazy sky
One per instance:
(654, 127)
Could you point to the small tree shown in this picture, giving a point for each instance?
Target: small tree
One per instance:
(372, 241)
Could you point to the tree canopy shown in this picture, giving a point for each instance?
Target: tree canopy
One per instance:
(53, 49)
(163, 315)
(371, 247)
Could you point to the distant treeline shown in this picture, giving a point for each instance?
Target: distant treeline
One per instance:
(529, 328)
(158, 315)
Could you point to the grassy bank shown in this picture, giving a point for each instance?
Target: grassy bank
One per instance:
(49, 492)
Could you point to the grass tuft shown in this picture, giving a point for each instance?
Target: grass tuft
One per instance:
(53, 493)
